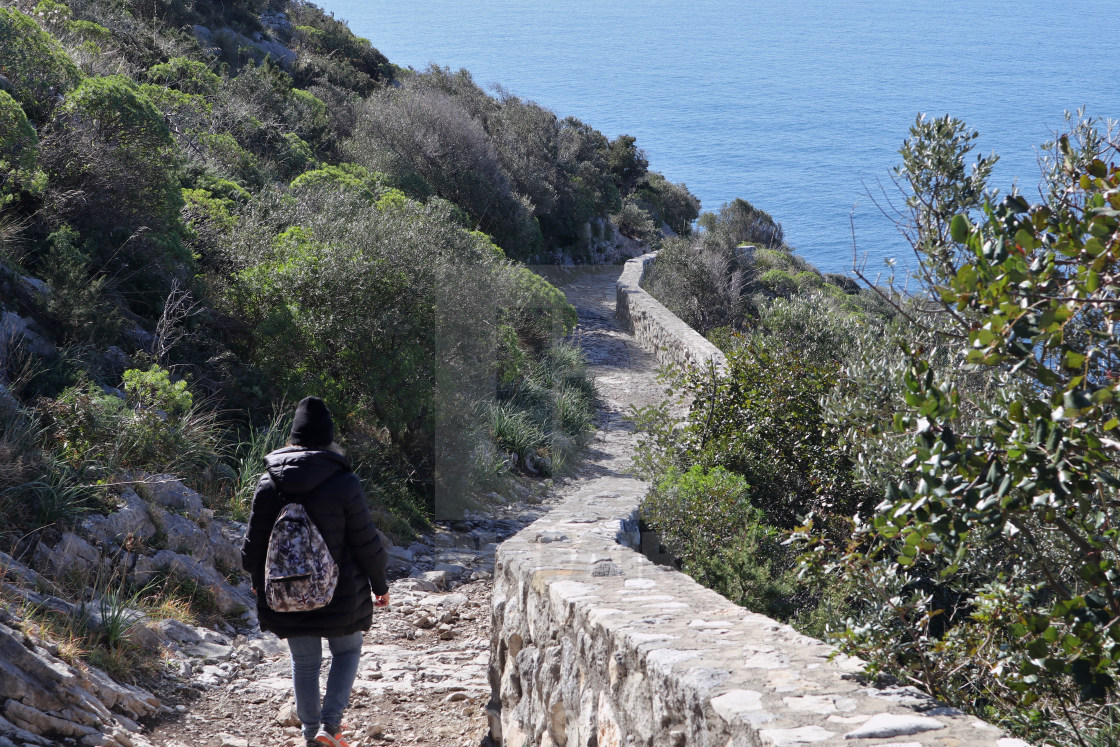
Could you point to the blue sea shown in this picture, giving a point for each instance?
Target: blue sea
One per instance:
(798, 106)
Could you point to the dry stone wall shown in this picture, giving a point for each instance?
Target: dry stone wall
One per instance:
(594, 645)
(657, 328)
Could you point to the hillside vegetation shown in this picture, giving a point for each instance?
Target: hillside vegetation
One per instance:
(211, 210)
(927, 479)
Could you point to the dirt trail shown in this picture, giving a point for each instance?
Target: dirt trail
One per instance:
(423, 675)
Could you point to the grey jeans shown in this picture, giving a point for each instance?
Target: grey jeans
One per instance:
(307, 662)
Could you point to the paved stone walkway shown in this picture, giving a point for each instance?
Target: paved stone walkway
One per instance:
(423, 677)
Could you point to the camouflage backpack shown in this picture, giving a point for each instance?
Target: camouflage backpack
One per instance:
(300, 575)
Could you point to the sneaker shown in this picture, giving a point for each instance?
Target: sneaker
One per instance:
(332, 740)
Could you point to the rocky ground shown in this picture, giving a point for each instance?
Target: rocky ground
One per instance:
(422, 679)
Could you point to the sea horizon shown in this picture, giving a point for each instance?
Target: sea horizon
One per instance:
(800, 111)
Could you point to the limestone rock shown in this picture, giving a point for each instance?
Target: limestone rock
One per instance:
(166, 491)
(183, 535)
(227, 598)
(19, 330)
(72, 555)
(286, 716)
(130, 520)
(40, 694)
(884, 725)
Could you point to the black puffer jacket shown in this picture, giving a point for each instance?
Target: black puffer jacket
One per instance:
(332, 494)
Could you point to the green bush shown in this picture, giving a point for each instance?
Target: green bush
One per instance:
(39, 69)
(186, 75)
(341, 176)
(344, 302)
(326, 37)
(992, 543)
(704, 285)
(78, 301)
(778, 282)
(112, 143)
(704, 517)
(104, 432)
(154, 390)
(676, 205)
(739, 222)
(636, 221)
(539, 311)
(698, 510)
(19, 153)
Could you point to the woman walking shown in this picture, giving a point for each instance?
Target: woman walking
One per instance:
(312, 472)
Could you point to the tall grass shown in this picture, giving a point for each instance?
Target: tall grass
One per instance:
(35, 485)
(250, 460)
(547, 412)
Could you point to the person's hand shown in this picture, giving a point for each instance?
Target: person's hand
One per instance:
(381, 600)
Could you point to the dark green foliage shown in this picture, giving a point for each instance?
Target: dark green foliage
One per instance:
(705, 519)
(764, 421)
(627, 162)
(239, 14)
(345, 300)
(101, 431)
(191, 206)
(38, 69)
(1006, 511)
(331, 52)
(940, 184)
(425, 131)
(737, 223)
(19, 153)
(186, 75)
(637, 219)
(78, 301)
(706, 287)
(674, 203)
(110, 142)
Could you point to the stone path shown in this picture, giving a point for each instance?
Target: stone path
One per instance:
(423, 676)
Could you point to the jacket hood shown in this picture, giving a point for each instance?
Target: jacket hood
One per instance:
(297, 470)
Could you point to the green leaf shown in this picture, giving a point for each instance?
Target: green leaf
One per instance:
(959, 228)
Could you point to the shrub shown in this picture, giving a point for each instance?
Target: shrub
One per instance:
(78, 301)
(39, 69)
(739, 222)
(677, 206)
(627, 162)
(539, 310)
(344, 302)
(986, 573)
(698, 510)
(111, 143)
(19, 153)
(424, 131)
(154, 390)
(340, 176)
(704, 285)
(636, 221)
(186, 75)
(327, 37)
(104, 432)
(778, 282)
(705, 518)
